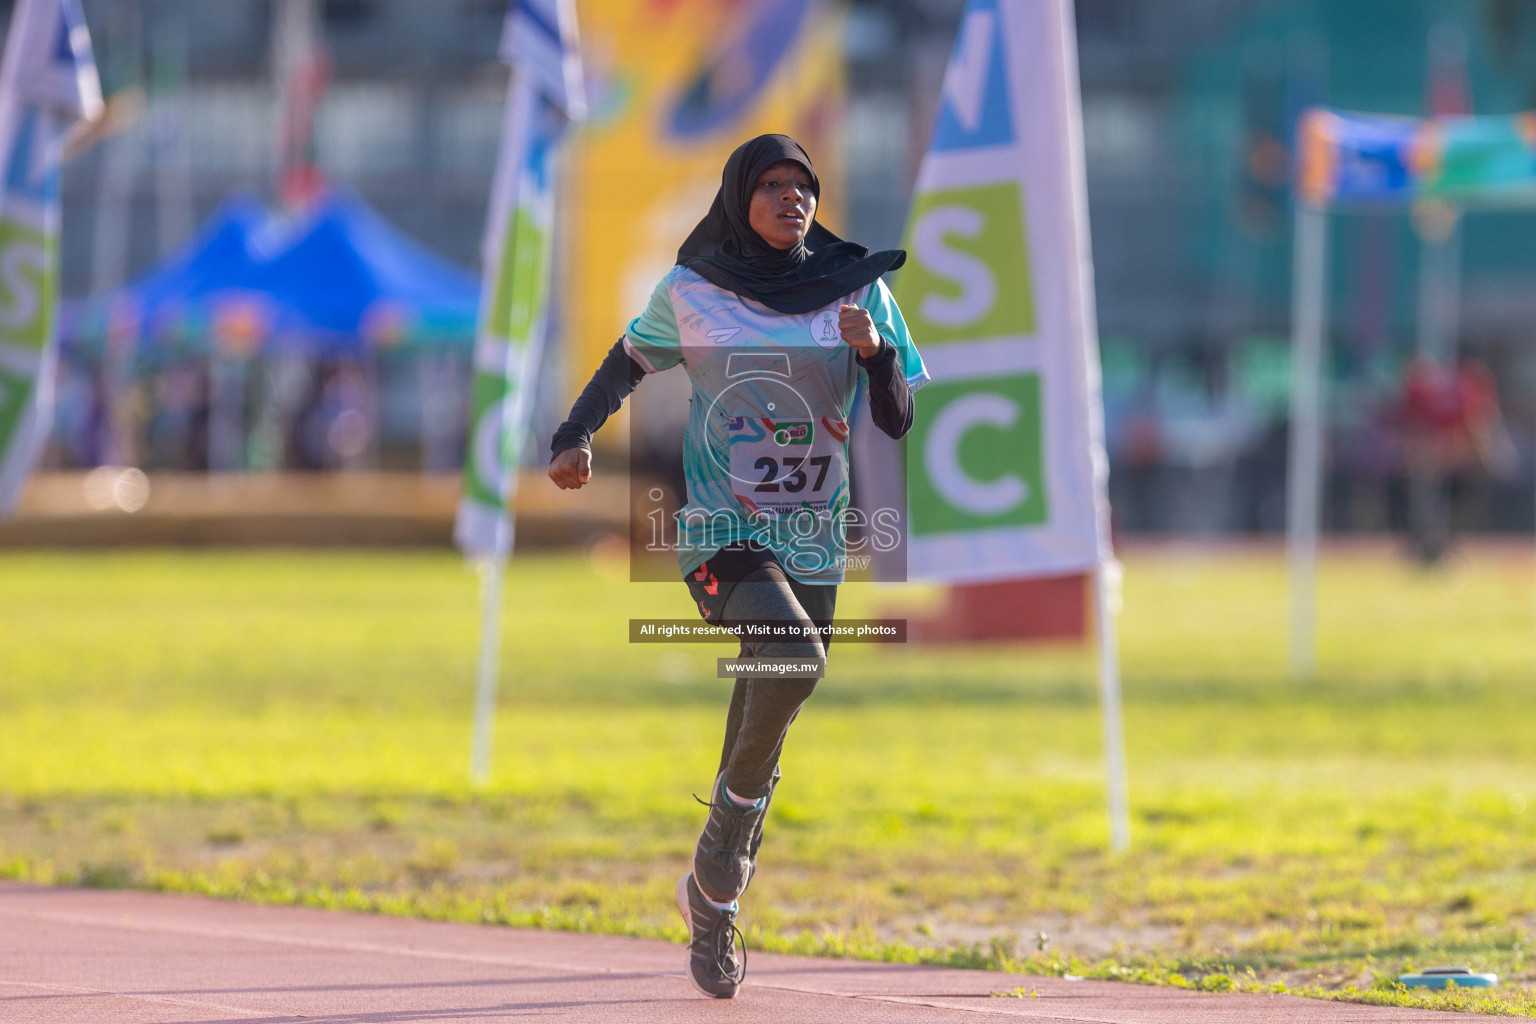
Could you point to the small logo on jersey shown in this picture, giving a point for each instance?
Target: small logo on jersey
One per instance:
(824, 329)
(721, 335)
(791, 433)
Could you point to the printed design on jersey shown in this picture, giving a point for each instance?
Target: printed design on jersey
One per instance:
(766, 450)
(825, 330)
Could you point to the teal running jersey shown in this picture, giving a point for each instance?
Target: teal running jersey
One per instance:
(766, 450)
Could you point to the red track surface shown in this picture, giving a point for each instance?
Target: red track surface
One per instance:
(126, 957)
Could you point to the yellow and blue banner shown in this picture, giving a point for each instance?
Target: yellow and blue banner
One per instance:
(675, 86)
(48, 83)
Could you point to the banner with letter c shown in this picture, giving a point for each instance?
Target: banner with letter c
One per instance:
(1005, 461)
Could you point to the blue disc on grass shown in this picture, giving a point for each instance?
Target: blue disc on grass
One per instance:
(1437, 977)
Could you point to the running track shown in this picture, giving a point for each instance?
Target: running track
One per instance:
(86, 956)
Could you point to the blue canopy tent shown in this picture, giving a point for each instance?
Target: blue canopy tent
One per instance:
(349, 279)
(166, 302)
(339, 281)
(336, 283)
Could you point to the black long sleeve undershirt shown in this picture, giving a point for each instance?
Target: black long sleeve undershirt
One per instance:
(890, 402)
(605, 392)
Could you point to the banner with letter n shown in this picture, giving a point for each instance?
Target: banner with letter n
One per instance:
(543, 96)
(48, 83)
(1005, 461)
(1006, 472)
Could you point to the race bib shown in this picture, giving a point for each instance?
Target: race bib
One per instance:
(783, 467)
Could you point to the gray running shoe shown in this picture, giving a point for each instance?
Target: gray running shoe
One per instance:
(715, 965)
(725, 855)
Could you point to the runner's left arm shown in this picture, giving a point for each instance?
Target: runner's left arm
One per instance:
(896, 370)
(890, 401)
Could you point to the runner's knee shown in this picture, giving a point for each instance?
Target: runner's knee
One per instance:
(764, 596)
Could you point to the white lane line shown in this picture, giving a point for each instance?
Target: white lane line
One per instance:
(376, 949)
(370, 948)
(199, 1004)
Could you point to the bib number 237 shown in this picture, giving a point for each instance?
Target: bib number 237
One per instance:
(779, 466)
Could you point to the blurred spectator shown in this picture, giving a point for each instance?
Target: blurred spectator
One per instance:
(1454, 439)
(178, 425)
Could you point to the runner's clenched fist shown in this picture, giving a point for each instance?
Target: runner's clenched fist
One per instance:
(858, 330)
(571, 469)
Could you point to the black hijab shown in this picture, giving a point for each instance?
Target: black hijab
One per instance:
(725, 251)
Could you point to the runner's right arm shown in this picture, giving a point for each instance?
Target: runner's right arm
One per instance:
(613, 382)
(650, 344)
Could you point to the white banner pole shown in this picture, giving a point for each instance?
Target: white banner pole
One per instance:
(1439, 293)
(1107, 572)
(486, 532)
(1309, 276)
(1106, 592)
(492, 572)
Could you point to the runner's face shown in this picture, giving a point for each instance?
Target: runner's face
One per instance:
(783, 204)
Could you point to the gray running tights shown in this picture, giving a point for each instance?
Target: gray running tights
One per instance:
(763, 708)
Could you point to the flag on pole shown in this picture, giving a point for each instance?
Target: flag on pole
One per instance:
(1006, 471)
(47, 84)
(543, 96)
(1005, 461)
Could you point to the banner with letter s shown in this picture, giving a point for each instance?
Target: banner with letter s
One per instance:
(1005, 460)
(48, 83)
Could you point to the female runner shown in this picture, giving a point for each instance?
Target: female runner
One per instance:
(777, 321)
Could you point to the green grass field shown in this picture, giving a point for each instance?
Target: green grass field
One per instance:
(294, 727)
